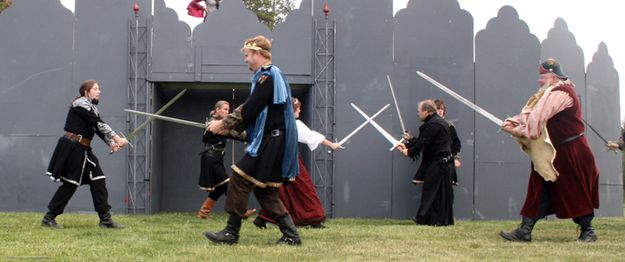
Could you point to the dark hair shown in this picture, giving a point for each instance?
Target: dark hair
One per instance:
(441, 104)
(296, 103)
(86, 86)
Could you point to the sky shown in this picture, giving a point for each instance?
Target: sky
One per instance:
(592, 22)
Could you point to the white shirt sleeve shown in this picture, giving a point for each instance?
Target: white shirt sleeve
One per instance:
(307, 136)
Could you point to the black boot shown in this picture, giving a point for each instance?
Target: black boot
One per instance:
(587, 235)
(48, 221)
(585, 223)
(230, 234)
(289, 232)
(107, 222)
(521, 234)
(259, 222)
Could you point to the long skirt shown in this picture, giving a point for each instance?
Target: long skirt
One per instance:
(301, 200)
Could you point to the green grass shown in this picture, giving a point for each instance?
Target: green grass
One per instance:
(178, 237)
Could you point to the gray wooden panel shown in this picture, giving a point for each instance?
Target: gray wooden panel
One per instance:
(500, 189)
(293, 44)
(435, 37)
(102, 50)
(611, 199)
(603, 114)
(25, 170)
(561, 45)
(506, 73)
(218, 42)
(172, 50)
(361, 78)
(35, 63)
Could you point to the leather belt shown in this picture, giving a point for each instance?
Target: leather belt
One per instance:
(78, 138)
(569, 139)
(209, 147)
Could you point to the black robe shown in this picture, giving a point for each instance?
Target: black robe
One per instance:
(434, 143)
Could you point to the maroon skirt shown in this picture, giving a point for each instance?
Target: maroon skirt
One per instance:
(301, 200)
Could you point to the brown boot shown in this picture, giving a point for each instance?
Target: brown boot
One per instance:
(206, 208)
(248, 213)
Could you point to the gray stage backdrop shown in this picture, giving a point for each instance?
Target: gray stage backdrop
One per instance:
(43, 60)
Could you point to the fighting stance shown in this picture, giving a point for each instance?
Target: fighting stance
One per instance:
(434, 140)
(73, 162)
(554, 113)
(213, 177)
(271, 152)
(300, 196)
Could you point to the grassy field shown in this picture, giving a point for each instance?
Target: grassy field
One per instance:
(178, 237)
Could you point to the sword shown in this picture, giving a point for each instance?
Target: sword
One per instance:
(386, 135)
(468, 103)
(147, 121)
(169, 119)
(401, 120)
(597, 133)
(362, 125)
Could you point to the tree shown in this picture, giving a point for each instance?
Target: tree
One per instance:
(270, 12)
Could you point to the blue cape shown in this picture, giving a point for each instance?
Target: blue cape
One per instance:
(281, 95)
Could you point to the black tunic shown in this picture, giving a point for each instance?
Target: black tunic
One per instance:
(71, 161)
(212, 170)
(266, 168)
(434, 142)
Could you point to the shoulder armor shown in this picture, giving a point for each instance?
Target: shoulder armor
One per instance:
(82, 102)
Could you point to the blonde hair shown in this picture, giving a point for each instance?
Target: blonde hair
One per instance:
(259, 44)
(218, 105)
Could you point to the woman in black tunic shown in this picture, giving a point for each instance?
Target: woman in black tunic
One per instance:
(213, 177)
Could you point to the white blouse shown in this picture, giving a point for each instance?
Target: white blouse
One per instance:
(307, 136)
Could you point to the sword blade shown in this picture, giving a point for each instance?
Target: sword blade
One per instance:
(386, 135)
(362, 125)
(401, 120)
(147, 121)
(468, 103)
(169, 119)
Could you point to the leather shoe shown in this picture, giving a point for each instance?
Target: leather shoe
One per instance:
(222, 237)
(47, 222)
(587, 235)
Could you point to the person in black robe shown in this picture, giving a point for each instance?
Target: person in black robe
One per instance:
(73, 162)
(213, 178)
(433, 146)
(441, 109)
